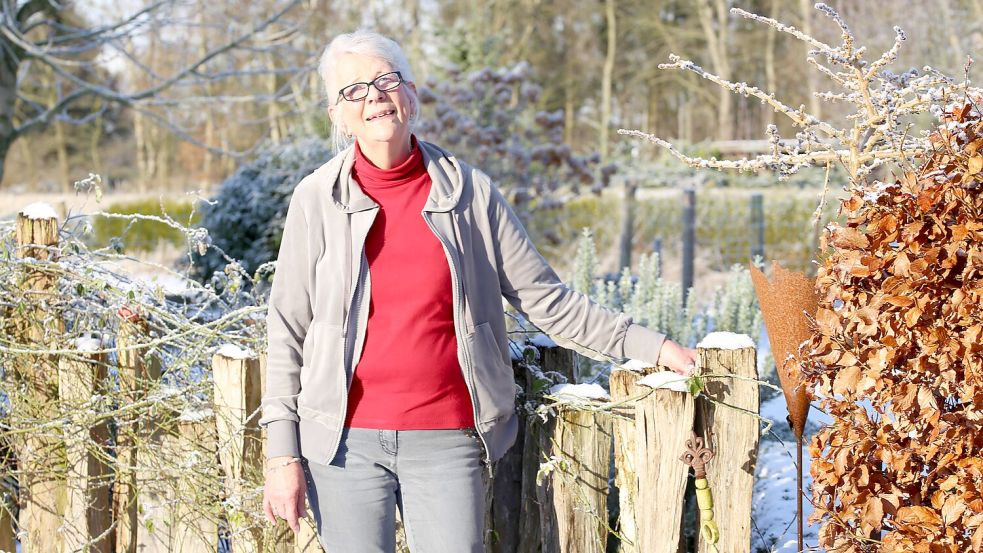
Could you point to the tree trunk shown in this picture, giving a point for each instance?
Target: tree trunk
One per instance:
(569, 121)
(815, 105)
(94, 146)
(61, 147)
(771, 81)
(27, 153)
(956, 49)
(605, 122)
(710, 17)
(208, 113)
(273, 111)
(140, 141)
(8, 100)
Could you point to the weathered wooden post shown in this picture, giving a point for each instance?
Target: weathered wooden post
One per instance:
(689, 239)
(504, 494)
(627, 223)
(193, 449)
(727, 410)
(42, 484)
(650, 479)
(280, 538)
(237, 385)
(573, 496)
(8, 540)
(135, 375)
(757, 225)
(88, 514)
(551, 359)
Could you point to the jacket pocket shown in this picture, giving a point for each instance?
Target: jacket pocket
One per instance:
(321, 388)
(493, 379)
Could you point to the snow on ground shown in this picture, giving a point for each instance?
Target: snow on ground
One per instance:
(773, 511)
(774, 506)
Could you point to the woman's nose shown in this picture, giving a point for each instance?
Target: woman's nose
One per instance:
(375, 93)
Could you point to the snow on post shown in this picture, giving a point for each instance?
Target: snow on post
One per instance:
(39, 210)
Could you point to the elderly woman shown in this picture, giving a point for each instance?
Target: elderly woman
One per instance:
(389, 381)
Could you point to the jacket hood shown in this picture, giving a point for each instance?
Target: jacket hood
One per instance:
(444, 169)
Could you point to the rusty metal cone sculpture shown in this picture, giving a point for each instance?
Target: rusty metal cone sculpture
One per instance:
(787, 302)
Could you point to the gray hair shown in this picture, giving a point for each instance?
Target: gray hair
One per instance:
(366, 43)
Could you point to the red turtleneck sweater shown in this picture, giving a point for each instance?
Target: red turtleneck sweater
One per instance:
(408, 377)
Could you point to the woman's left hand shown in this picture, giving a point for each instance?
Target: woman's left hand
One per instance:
(680, 360)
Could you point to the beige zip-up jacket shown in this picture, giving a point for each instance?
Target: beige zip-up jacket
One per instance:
(318, 306)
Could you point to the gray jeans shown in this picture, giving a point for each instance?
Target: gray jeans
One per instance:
(436, 478)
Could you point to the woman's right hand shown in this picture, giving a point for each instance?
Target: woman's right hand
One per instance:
(284, 493)
(680, 360)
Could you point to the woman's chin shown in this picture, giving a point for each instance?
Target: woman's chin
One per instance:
(389, 133)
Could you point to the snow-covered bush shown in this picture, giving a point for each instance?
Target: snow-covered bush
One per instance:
(245, 218)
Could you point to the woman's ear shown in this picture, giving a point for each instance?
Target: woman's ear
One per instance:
(333, 113)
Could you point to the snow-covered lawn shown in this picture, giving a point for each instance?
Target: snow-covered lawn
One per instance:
(774, 509)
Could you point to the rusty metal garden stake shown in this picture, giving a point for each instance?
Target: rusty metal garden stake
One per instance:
(697, 455)
(787, 302)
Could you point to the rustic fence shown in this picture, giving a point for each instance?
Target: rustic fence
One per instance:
(174, 481)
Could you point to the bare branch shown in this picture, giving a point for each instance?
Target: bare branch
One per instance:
(798, 116)
(129, 99)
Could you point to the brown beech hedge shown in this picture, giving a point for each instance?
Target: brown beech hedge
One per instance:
(897, 359)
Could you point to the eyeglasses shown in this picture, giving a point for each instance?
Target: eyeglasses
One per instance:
(356, 91)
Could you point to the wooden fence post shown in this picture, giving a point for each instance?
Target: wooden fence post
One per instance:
(757, 226)
(627, 223)
(88, 514)
(280, 538)
(133, 435)
(727, 411)
(42, 485)
(191, 450)
(573, 498)
(237, 384)
(8, 540)
(689, 239)
(551, 359)
(504, 514)
(650, 477)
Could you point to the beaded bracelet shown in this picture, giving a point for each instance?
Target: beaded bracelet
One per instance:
(281, 465)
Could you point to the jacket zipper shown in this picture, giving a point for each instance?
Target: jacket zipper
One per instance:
(466, 369)
(346, 335)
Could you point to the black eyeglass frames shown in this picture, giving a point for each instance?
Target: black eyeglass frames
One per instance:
(383, 83)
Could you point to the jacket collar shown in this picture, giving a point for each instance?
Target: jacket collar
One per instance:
(444, 170)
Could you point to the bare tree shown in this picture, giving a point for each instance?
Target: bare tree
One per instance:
(38, 34)
(610, 13)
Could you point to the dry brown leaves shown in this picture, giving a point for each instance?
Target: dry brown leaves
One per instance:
(898, 358)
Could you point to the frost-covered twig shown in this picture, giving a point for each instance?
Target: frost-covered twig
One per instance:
(876, 132)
